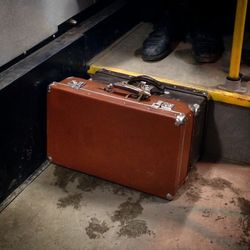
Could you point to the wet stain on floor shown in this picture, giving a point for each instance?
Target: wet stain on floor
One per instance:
(219, 195)
(244, 206)
(218, 183)
(206, 213)
(127, 210)
(193, 194)
(151, 198)
(86, 183)
(193, 191)
(70, 200)
(134, 229)
(130, 216)
(192, 188)
(96, 228)
(63, 177)
(126, 215)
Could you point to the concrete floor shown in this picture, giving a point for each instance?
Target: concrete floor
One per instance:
(179, 66)
(64, 209)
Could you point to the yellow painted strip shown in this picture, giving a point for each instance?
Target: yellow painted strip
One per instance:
(215, 94)
(238, 36)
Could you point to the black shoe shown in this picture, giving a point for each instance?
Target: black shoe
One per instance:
(157, 45)
(207, 47)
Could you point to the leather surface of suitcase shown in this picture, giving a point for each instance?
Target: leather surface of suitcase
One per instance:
(195, 99)
(142, 144)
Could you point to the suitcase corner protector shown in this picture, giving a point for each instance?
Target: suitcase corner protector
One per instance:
(50, 159)
(169, 197)
(180, 119)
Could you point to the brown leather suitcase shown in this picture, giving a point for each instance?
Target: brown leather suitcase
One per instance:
(104, 131)
(196, 100)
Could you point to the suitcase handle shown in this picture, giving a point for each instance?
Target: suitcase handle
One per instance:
(140, 92)
(148, 80)
(157, 87)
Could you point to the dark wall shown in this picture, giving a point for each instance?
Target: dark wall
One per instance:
(23, 116)
(227, 135)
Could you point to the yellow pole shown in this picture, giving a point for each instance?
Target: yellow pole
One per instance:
(239, 27)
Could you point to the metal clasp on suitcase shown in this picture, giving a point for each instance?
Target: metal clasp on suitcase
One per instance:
(180, 117)
(163, 105)
(141, 92)
(74, 84)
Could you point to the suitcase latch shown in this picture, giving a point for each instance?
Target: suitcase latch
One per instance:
(74, 84)
(163, 105)
(141, 93)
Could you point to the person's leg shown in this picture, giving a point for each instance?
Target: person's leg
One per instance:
(157, 44)
(168, 27)
(246, 46)
(206, 33)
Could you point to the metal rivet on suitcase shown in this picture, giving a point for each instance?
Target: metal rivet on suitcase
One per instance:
(169, 197)
(49, 87)
(195, 108)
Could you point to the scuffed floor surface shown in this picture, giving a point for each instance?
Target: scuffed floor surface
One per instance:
(64, 209)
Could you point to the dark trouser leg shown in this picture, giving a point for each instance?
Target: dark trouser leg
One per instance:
(168, 27)
(207, 30)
